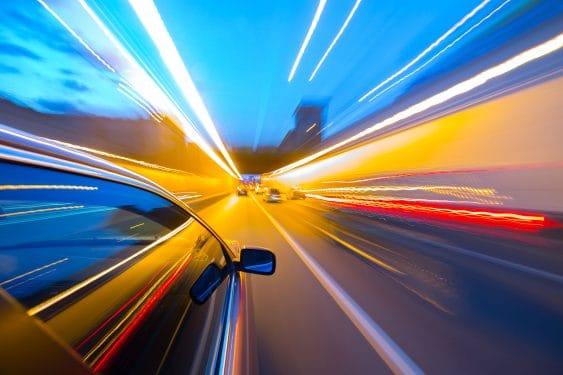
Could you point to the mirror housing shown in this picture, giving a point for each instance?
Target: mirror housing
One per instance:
(256, 260)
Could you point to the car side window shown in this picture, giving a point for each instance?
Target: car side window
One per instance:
(106, 266)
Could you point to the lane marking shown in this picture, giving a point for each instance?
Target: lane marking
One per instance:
(354, 249)
(393, 356)
(33, 271)
(497, 261)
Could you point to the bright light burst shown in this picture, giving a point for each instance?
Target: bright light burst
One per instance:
(150, 18)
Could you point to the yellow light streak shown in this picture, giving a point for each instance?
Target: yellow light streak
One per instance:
(311, 127)
(305, 43)
(463, 87)
(136, 226)
(354, 249)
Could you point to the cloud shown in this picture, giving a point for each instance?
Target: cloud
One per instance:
(67, 72)
(75, 85)
(58, 106)
(15, 50)
(35, 28)
(6, 69)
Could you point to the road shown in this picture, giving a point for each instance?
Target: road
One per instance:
(357, 295)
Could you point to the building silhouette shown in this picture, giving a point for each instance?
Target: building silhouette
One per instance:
(309, 120)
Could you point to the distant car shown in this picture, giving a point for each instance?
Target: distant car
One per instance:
(241, 190)
(296, 194)
(272, 196)
(104, 271)
(260, 189)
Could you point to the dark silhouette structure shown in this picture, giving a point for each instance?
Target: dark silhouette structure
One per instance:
(307, 134)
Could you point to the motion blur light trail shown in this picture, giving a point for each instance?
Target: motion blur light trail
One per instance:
(305, 43)
(333, 43)
(153, 23)
(147, 304)
(517, 221)
(477, 80)
(428, 49)
(137, 78)
(439, 53)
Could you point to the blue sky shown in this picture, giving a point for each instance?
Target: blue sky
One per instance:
(239, 54)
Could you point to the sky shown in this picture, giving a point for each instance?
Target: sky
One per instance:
(55, 57)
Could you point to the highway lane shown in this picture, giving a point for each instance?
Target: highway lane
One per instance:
(451, 299)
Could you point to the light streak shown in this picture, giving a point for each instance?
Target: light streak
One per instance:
(463, 87)
(394, 357)
(354, 249)
(162, 287)
(41, 210)
(137, 226)
(428, 49)
(311, 128)
(76, 36)
(406, 76)
(118, 311)
(150, 18)
(146, 86)
(338, 35)
(75, 288)
(47, 187)
(310, 32)
(131, 91)
(419, 209)
(33, 271)
(134, 100)
(114, 156)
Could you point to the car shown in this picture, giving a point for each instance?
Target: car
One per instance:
(104, 271)
(260, 189)
(272, 195)
(242, 191)
(296, 194)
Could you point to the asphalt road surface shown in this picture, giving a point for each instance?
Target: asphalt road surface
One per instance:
(357, 295)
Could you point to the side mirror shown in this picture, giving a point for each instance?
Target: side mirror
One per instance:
(259, 261)
(206, 284)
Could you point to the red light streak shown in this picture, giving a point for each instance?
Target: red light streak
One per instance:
(513, 220)
(115, 348)
(116, 313)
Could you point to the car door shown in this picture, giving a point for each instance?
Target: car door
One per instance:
(107, 265)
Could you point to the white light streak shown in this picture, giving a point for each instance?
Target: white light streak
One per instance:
(311, 127)
(134, 100)
(340, 32)
(477, 80)
(76, 36)
(143, 83)
(428, 49)
(150, 18)
(312, 28)
(406, 76)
